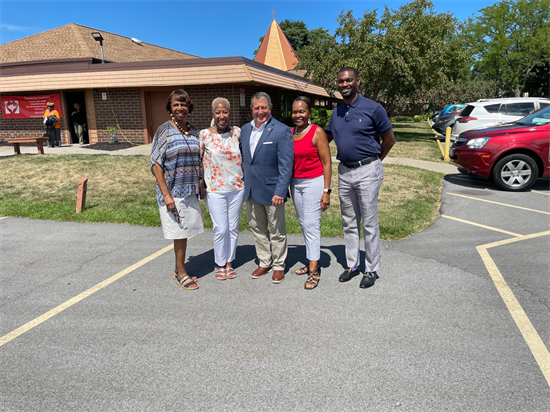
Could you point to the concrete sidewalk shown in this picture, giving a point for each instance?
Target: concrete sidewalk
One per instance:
(145, 150)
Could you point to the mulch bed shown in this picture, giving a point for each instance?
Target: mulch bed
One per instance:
(109, 146)
(96, 146)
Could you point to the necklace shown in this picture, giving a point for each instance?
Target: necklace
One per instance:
(303, 131)
(181, 128)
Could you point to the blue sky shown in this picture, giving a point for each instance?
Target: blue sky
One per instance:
(202, 28)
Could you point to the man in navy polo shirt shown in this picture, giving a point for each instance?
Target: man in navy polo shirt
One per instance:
(356, 127)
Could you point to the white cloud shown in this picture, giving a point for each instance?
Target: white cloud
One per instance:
(11, 27)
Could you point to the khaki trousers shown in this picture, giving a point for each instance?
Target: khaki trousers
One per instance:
(271, 244)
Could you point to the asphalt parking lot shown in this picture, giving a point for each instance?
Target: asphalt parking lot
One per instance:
(92, 320)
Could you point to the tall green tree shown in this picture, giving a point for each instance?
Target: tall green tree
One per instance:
(510, 42)
(400, 55)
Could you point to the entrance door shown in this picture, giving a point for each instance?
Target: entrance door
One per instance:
(157, 109)
(70, 99)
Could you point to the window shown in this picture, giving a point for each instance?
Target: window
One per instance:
(493, 108)
(519, 109)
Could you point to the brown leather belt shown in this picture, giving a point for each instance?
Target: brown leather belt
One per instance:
(363, 162)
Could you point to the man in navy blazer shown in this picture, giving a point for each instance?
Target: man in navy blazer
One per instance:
(268, 157)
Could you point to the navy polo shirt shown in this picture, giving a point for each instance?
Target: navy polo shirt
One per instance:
(356, 129)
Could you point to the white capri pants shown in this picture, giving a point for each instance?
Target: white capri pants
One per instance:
(306, 195)
(225, 211)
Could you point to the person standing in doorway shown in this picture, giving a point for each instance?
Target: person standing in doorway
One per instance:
(54, 138)
(268, 157)
(357, 126)
(78, 118)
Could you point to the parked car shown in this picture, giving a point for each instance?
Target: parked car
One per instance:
(513, 155)
(448, 119)
(492, 112)
(452, 108)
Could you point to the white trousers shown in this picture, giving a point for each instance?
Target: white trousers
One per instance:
(306, 195)
(225, 211)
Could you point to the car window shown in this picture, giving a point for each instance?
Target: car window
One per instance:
(537, 119)
(518, 109)
(467, 110)
(543, 104)
(492, 108)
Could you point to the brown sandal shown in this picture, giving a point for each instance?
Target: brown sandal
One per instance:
(313, 279)
(303, 271)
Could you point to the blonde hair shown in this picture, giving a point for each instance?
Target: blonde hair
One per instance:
(77, 105)
(220, 100)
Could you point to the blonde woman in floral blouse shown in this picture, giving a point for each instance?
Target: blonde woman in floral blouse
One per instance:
(223, 175)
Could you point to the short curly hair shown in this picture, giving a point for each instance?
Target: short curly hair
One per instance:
(221, 100)
(179, 95)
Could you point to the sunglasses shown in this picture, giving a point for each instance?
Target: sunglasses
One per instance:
(178, 217)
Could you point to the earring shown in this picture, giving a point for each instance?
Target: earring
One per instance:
(308, 121)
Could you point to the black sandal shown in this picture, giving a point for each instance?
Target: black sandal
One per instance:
(192, 285)
(313, 279)
(303, 271)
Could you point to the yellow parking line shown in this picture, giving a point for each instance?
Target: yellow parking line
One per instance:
(483, 226)
(3, 217)
(33, 323)
(540, 193)
(502, 204)
(532, 338)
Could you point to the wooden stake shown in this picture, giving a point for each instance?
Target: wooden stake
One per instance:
(81, 196)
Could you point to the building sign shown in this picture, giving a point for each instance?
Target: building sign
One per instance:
(28, 107)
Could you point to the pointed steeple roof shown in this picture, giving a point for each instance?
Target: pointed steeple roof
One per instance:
(275, 50)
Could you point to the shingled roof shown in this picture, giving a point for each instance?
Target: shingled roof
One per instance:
(75, 41)
(275, 50)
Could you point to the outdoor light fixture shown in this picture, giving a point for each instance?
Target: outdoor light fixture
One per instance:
(98, 37)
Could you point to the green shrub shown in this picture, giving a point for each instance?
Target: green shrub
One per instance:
(401, 119)
(418, 118)
(320, 116)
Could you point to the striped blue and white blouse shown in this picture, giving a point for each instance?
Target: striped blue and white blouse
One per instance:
(179, 157)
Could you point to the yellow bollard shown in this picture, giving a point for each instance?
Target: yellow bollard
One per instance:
(447, 144)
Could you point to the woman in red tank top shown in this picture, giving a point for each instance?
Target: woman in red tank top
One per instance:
(310, 185)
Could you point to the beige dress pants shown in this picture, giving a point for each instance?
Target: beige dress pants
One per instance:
(271, 244)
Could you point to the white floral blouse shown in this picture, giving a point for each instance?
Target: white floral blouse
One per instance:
(221, 160)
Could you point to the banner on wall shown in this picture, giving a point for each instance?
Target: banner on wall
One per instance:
(28, 107)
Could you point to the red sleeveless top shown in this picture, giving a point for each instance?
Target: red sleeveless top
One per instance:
(307, 164)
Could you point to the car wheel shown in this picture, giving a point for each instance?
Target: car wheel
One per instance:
(515, 172)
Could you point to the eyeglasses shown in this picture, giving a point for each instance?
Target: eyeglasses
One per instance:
(178, 217)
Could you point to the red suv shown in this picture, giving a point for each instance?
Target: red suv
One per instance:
(514, 155)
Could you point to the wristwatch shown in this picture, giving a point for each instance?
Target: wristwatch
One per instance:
(329, 191)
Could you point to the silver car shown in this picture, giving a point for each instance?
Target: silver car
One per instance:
(491, 112)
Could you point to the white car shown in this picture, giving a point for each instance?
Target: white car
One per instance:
(492, 112)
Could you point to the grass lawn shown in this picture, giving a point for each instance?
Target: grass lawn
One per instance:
(121, 189)
(412, 141)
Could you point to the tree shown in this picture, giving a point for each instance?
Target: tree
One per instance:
(400, 56)
(509, 40)
(298, 34)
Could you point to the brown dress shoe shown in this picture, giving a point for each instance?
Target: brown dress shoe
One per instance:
(260, 272)
(278, 276)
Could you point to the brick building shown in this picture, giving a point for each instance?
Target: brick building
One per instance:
(131, 88)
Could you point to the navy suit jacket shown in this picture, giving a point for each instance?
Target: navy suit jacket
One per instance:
(268, 172)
